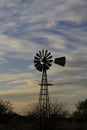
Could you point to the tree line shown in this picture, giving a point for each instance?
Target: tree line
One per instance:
(57, 111)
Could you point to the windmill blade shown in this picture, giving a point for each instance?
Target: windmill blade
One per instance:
(36, 61)
(36, 58)
(49, 57)
(46, 67)
(48, 64)
(43, 52)
(60, 61)
(50, 61)
(38, 55)
(38, 66)
(46, 53)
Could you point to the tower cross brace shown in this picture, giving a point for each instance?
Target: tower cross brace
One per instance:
(44, 104)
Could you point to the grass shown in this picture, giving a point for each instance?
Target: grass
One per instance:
(61, 125)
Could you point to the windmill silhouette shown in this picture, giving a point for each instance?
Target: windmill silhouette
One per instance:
(43, 61)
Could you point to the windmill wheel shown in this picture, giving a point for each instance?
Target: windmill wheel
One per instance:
(43, 60)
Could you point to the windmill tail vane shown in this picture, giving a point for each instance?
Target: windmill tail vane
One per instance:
(60, 61)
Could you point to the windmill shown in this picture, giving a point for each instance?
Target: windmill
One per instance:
(43, 61)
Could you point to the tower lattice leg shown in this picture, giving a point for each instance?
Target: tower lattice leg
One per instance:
(44, 106)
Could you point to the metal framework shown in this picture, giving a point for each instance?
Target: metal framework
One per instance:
(44, 105)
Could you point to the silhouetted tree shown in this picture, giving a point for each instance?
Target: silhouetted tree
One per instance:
(5, 107)
(81, 110)
(57, 110)
(6, 111)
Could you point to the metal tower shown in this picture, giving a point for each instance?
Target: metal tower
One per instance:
(44, 105)
(42, 62)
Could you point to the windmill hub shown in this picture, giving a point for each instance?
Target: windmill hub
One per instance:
(44, 60)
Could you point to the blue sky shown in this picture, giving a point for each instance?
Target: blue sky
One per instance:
(27, 26)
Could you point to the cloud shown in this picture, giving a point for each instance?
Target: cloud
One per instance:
(3, 61)
(16, 48)
(39, 15)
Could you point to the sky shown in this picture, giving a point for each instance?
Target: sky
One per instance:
(27, 26)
